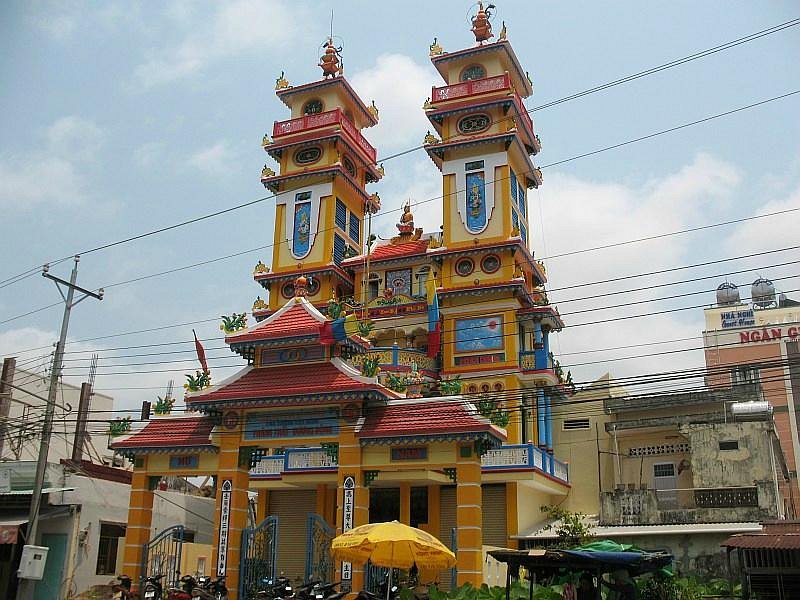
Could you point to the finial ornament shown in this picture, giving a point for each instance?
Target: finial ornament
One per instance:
(259, 304)
(528, 77)
(265, 141)
(267, 172)
(503, 33)
(381, 170)
(373, 110)
(260, 268)
(427, 105)
(281, 83)
(481, 26)
(435, 48)
(330, 62)
(301, 287)
(430, 138)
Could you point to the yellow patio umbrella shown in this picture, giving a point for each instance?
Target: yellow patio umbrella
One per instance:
(392, 545)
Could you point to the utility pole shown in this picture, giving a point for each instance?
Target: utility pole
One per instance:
(27, 586)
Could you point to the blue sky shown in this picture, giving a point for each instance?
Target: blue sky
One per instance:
(123, 117)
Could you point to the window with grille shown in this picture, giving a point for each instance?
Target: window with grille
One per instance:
(355, 228)
(573, 424)
(728, 445)
(680, 448)
(341, 215)
(107, 548)
(664, 470)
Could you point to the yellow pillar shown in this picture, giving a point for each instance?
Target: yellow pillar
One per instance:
(512, 514)
(434, 510)
(262, 506)
(140, 517)
(405, 503)
(232, 483)
(469, 516)
(350, 466)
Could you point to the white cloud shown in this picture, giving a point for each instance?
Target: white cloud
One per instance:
(242, 26)
(216, 160)
(399, 87)
(74, 137)
(420, 183)
(54, 175)
(581, 214)
(149, 154)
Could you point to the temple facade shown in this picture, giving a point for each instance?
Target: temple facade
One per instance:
(409, 379)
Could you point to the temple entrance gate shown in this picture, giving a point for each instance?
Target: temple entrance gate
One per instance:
(259, 557)
(319, 563)
(162, 556)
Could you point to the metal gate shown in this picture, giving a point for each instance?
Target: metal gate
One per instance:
(259, 557)
(319, 563)
(162, 556)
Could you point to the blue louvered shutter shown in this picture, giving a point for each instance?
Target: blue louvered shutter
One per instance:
(355, 229)
(341, 215)
(338, 248)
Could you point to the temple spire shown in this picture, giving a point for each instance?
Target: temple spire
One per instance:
(481, 26)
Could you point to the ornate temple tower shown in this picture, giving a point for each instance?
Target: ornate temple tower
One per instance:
(496, 315)
(321, 200)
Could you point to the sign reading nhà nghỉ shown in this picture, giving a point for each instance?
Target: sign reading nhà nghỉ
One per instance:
(224, 525)
(737, 318)
(769, 334)
(291, 424)
(410, 453)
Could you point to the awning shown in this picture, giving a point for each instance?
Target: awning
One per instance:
(547, 530)
(47, 490)
(9, 528)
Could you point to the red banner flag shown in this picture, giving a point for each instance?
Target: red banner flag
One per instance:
(201, 354)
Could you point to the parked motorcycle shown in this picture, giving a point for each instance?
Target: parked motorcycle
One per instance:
(123, 587)
(208, 589)
(187, 585)
(274, 589)
(151, 588)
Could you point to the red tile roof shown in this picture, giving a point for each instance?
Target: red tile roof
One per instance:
(393, 251)
(290, 380)
(165, 432)
(296, 321)
(429, 418)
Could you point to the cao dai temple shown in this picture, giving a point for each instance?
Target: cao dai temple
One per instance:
(408, 379)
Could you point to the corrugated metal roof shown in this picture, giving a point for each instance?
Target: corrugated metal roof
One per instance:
(548, 529)
(764, 541)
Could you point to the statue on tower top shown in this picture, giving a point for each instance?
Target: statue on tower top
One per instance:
(481, 26)
(405, 227)
(330, 62)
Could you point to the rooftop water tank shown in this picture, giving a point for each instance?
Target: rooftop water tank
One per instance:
(763, 293)
(755, 410)
(727, 293)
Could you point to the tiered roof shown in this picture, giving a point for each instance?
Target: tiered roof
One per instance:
(170, 433)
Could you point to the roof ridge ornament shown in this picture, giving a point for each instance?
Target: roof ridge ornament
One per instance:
(435, 48)
(281, 82)
(330, 62)
(481, 24)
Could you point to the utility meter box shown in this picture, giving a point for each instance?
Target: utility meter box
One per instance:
(31, 564)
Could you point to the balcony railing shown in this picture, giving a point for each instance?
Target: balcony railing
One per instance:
(325, 119)
(472, 87)
(519, 457)
(515, 457)
(399, 359)
(534, 360)
(643, 506)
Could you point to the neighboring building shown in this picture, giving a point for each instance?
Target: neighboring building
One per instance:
(454, 434)
(758, 346)
(84, 509)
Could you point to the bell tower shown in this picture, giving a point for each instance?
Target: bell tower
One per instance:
(485, 139)
(321, 198)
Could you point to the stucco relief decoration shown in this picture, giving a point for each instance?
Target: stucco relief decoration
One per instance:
(301, 236)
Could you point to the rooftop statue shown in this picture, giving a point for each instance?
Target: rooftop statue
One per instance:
(481, 26)
(330, 62)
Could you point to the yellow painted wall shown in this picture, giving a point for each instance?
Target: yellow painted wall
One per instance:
(190, 553)
(158, 464)
(439, 455)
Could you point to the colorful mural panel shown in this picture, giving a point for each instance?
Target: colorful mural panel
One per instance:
(301, 236)
(476, 202)
(476, 334)
(399, 281)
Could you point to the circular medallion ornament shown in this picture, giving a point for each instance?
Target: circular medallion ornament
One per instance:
(349, 166)
(490, 263)
(307, 156)
(351, 412)
(472, 124)
(473, 72)
(498, 387)
(472, 388)
(313, 286)
(287, 291)
(312, 107)
(465, 267)
(230, 420)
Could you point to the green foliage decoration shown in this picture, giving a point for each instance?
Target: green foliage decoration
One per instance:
(396, 383)
(370, 366)
(198, 381)
(164, 405)
(119, 426)
(450, 387)
(490, 408)
(234, 322)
